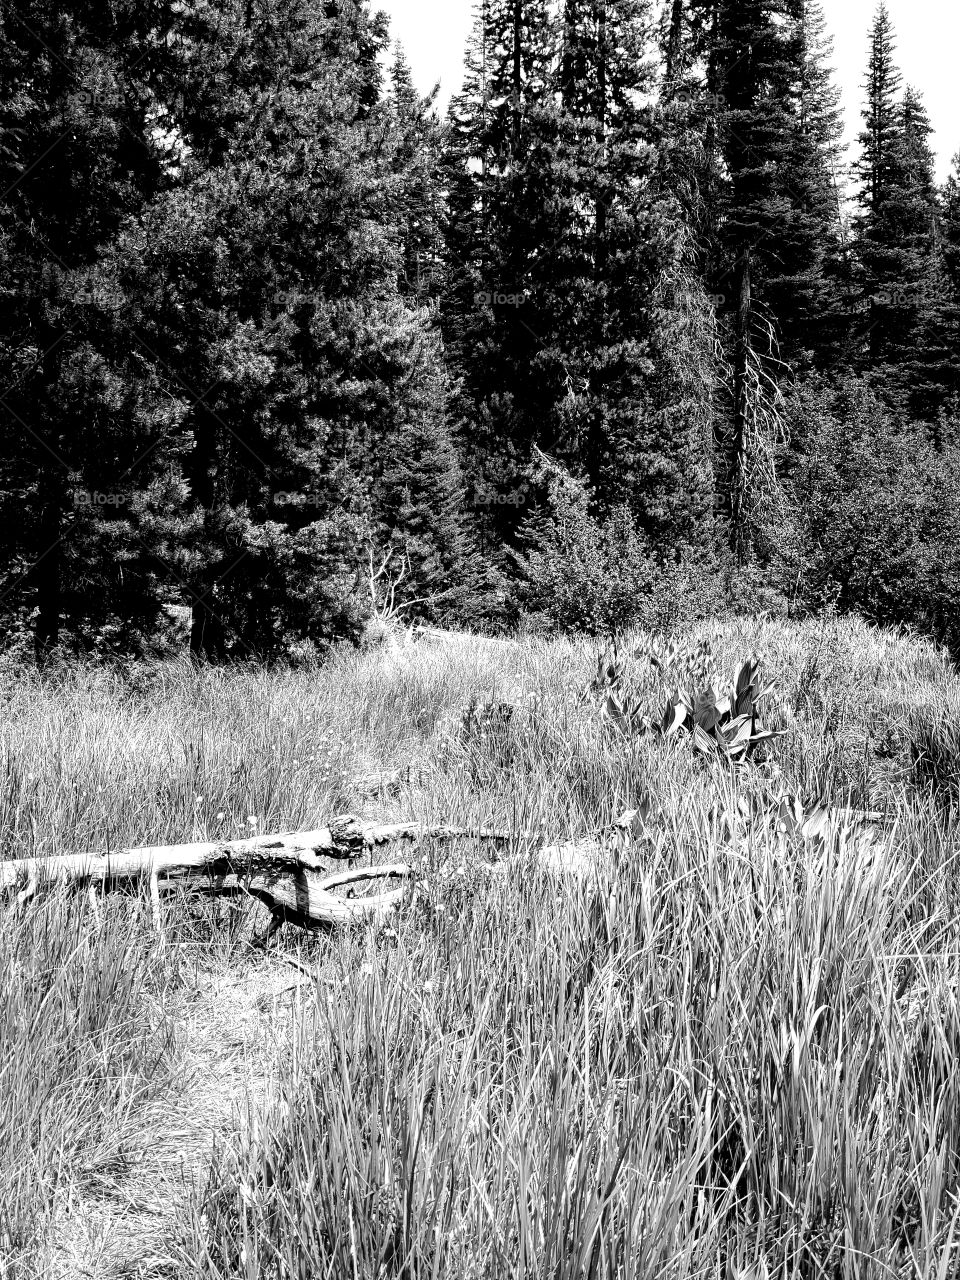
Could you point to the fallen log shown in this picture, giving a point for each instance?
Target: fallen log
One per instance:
(462, 637)
(284, 871)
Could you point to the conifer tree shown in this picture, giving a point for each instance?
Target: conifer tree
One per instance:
(628, 434)
(88, 476)
(951, 227)
(560, 243)
(896, 234)
(774, 227)
(897, 238)
(283, 255)
(929, 356)
(211, 332)
(499, 221)
(803, 259)
(948, 336)
(417, 150)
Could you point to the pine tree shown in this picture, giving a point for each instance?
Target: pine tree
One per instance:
(417, 149)
(90, 490)
(560, 243)
(929, 360)
(620, 342)
(774, 226)
(500, 217)
(208, 344)
(896, 231)
(803, 258)
(881, 114)
(951, 227)
(281, 257)
(949, 330)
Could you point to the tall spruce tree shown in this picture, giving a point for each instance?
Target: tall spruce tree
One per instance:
(803, 258)
(500, 220)
(560, 245)
(950, 243)
(282, 256)
(620, 338)
(930, 360)
(896, 232)
(417, 150)
(89, 490)
(771, 141)
(206, 334)
(949, 330)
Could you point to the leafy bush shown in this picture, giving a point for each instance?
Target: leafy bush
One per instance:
(598, 574)
(724, 725)
(880, 504)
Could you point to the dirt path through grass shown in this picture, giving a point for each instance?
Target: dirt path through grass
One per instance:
(233, 1023)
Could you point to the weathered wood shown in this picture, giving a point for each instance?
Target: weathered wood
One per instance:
(346, 837)
(305, 899)
(463, 637)
(285, 870)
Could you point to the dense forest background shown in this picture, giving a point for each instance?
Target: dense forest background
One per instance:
(617, 342)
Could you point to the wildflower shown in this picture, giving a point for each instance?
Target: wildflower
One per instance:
(252, 819)
(220, 816)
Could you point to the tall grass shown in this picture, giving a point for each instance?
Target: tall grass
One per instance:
(730, 1053)
(734, 1053)
(84, 1050)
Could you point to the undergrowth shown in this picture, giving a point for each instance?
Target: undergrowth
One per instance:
(731, 1053)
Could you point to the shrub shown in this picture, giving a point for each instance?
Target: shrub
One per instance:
(597, 574)
(880, 504)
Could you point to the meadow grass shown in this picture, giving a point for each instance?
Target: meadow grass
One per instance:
(728, 1052)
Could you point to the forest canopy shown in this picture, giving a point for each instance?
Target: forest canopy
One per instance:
(615, 340)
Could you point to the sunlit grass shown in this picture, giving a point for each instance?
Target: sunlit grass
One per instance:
(731, 1050)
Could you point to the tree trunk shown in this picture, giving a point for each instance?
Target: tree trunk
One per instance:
(674, 49)
(47, 569)
(284, 871)
(738, 460)
(206, 625)
(517, 71)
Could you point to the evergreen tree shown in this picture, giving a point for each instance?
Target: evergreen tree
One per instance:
(417, 151)
(90, 491)
(881, 114)
(280, 259)
(949, 330)
(896, 230)
(205, 341)
(803, 257)
(622, 408)
(951, 227)
(500, 219)
(930, 359)
(775, 240)
(560, 243)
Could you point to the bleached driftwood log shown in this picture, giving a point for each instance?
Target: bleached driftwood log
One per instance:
(285, 871)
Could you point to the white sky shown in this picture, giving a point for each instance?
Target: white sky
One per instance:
(434, 34)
